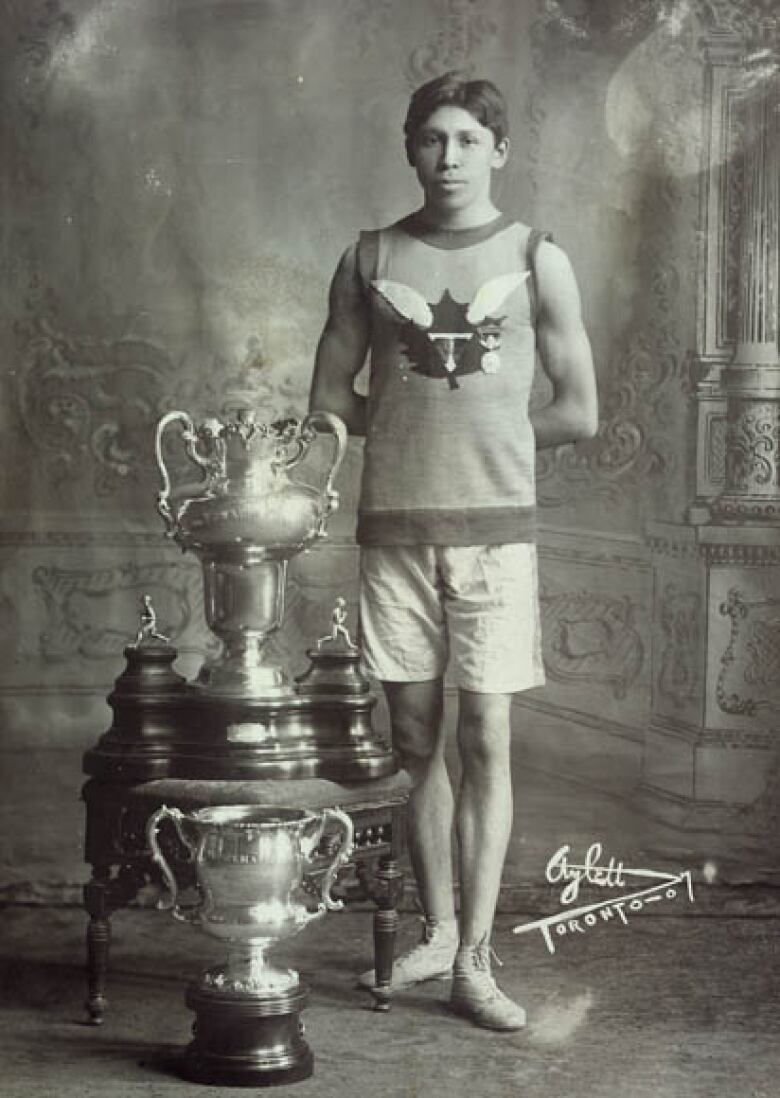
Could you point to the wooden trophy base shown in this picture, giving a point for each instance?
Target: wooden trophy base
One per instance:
(250, 1040)
(165, 727)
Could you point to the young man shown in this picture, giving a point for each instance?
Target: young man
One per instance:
(453, 302)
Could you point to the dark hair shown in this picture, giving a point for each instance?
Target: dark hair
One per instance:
(480, 98)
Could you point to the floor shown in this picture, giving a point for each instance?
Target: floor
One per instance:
(670, 1005)
(682, 1001)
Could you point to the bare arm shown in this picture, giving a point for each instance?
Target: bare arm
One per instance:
(342, 349)
(566, 355)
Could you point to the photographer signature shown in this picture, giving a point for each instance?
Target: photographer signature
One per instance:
(578, 920)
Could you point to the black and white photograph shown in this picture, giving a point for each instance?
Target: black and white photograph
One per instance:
(390, 548)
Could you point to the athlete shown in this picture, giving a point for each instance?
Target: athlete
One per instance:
(453, 302)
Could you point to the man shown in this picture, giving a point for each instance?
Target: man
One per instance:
(453, 302)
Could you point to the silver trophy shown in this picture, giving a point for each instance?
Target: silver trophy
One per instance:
(245, 518)
(250, 863)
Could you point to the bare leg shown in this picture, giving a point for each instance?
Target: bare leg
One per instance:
(484, 815)
(418, 737)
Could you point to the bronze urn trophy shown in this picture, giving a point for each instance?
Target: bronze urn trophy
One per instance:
(245, 516)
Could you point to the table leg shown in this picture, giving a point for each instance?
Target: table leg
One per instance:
(98, 940)
(386, 893)
(102, 896)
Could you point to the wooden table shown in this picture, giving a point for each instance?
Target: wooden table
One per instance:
(116, 849)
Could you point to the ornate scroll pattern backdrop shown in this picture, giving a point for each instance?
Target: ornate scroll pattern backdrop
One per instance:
(749, 674)
(176, 192)
(615, 52)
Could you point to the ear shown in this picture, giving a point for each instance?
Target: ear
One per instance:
(500, 153)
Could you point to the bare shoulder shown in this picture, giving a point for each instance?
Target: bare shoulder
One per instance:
(347, 297)
(343, 344)
(552, 260)
(558, 290)
(346, 275)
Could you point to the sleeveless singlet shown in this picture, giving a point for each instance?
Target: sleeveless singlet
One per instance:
(449, 453)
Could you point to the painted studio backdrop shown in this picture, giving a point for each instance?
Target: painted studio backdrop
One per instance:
(178, 180)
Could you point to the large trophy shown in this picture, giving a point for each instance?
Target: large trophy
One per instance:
(245, 517)
(249, 863)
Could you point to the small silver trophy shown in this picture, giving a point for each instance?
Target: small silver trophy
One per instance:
(249, 862)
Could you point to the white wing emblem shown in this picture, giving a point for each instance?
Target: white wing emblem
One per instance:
(491, 296)
(406, 301)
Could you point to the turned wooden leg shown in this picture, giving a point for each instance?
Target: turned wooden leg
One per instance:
(98, 938)
(386, 893)
(102, 896)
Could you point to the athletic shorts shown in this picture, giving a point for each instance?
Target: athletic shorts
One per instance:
(472, 610)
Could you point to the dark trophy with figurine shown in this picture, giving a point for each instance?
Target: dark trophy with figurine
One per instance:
(245, 518)
(244, 514)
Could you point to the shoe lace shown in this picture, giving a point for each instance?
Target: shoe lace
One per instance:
(430, 931)
(482, 954)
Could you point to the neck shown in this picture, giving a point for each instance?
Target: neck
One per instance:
(472, 217)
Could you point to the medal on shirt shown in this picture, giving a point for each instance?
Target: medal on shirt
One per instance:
(490, 341)
(450, 338)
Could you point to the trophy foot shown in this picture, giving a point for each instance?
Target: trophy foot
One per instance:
(213, 1072)
(242, 680)
(242, 979)
(247, 1040)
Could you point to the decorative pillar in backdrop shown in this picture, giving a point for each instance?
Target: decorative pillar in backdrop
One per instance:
(752, 381)
(710, 753)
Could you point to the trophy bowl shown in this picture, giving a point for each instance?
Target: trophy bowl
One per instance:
(249, 863)
(244, 519)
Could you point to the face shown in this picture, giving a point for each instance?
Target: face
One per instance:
(454, 156)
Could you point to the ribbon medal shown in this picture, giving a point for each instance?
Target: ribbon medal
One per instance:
(490, 341)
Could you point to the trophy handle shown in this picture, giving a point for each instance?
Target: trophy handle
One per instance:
(291, 437)
(212, 467)
(188, 915)
(327, 903)
(327, 422)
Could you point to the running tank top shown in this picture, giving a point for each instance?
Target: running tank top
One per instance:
(450, 452)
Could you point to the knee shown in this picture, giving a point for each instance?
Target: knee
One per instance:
(483, 742)
(414, 739)
(416, 711)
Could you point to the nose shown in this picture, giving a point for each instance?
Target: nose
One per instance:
(450, 153)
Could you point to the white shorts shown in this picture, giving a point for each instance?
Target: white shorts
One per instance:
(471, 608)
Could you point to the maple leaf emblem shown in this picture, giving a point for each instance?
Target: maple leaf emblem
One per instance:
(449, 348)
(449, 339)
